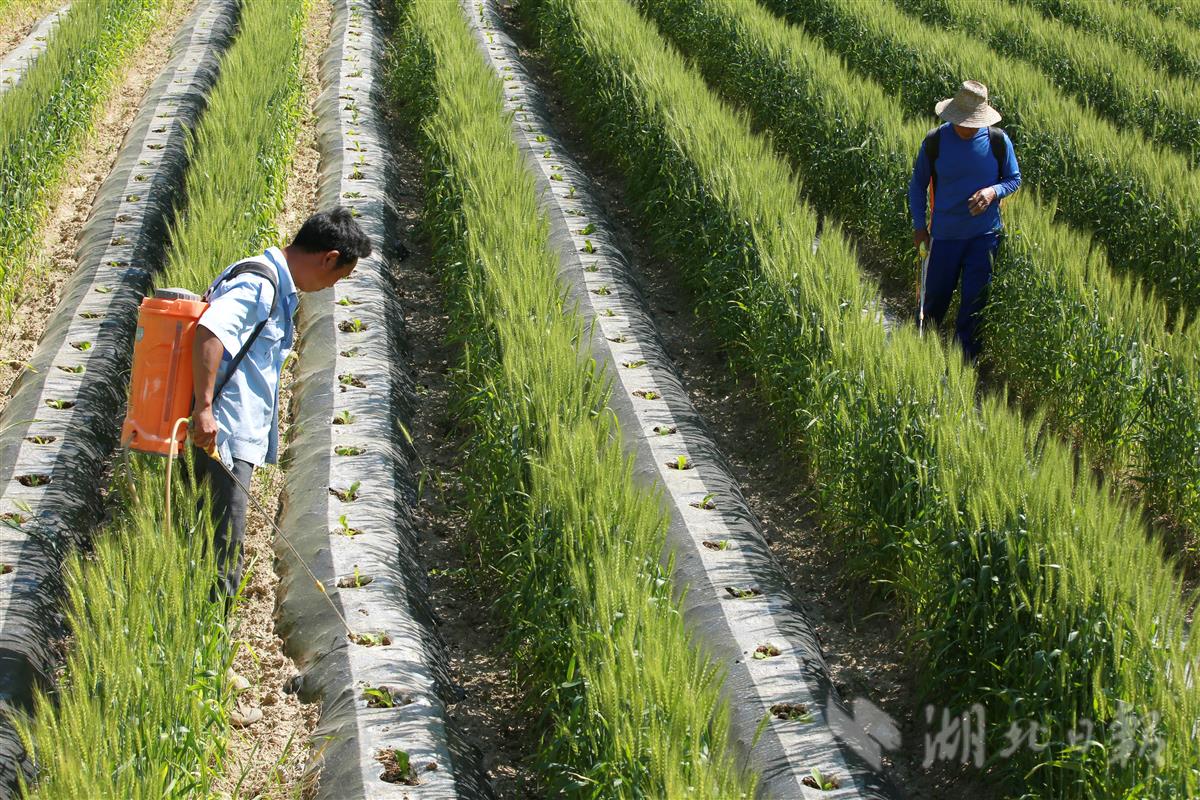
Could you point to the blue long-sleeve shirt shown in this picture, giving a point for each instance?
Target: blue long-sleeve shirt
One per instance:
(963, 167)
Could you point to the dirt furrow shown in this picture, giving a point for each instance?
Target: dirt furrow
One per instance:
(267, 759)
(19, 17)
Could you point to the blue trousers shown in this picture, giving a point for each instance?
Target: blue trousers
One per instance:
(968, 260)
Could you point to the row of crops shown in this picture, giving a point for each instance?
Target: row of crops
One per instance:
(1029, 589)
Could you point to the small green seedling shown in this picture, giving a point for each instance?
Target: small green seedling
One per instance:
(83, 347)
(75, 369)
(103, 289)
(350, 379)
(60, 404)
(352, 195)
(40, 439)
(343, 418)
(379, 697)
(571, 193)
(588, 247)
(372, 639)
(618, 339)
(818, 781)
(344, 528)
(346, 301)
(665, 430)
(608, 312)
(680, 463)
(717, 544)
(707, 503)
(397, 768)
(647, 394)
(765, 651)
(5, 569)
(556, 176)
(588, 230)
(789, 712)
(346, 495)
(743, 593)
(33, 480)
(603, 291)
(352, 326)
(349, 450)
(355, 581)
(539, 138)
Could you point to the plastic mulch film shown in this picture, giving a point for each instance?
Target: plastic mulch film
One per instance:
(738, 600)
(64, 419)
(349, 485)
(14, 65)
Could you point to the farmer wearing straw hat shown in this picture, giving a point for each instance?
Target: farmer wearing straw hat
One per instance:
(967, 165)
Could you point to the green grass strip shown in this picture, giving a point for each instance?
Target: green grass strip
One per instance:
(1167, 44)
(1061, 329)
(1026, 589)
(1186, 11)
(1143, 202)
(631, 708)
(141, 711)
(44, 118)
(1102, 74)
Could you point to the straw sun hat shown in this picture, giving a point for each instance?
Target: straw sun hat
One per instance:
(969, 107)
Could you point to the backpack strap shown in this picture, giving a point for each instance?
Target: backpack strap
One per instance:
(272, 277)
(997, 139)
(931, 145)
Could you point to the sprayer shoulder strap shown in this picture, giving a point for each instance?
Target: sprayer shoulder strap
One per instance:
(268, 274)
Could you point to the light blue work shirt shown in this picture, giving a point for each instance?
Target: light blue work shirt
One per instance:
(247, 410)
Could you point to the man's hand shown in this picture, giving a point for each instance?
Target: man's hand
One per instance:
(921, 237)
(204, 429)
(980, 201)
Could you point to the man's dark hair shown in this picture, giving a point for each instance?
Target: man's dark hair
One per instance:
(333, 229)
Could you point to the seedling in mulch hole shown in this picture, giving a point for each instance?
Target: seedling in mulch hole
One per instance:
(618, 339)
(717, 544)
(352, 195)
(5, 569)
(592, 268)
(139, 177)
(358, 73)
(355, 213)
(350, 379)
(588, 247)
(346, 495)
(156, 146)
(680, 463)
(352, 326)
(705, 502)
(665, 430)
(103, 289)
(357, 174)
(92, 315)
(588, 230)
(547, 154)
(765, 651)
(349, 450)
(540, 138)
(76, 369)
(61, 405)
(608, 312)
(603, 291)
(372, 639)
(791, 711)
(571, 194)
(743, 593)
(343, 418)
(33, 480)
(818, 781)
(351, 353)
(13, 519)
(556, 176)
(355, 581)
(344, 528)
(379, 697)
(647, 394)
(397, 768)
(82, 346)
(40, 439)
(132, 198)
(346, 301)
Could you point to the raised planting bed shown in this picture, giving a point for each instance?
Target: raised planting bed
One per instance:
(350, 483)
(737, 600)
(64, 417)
(18, 61)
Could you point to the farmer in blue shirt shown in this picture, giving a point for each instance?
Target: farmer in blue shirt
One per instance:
(970, 166)
(241, 342)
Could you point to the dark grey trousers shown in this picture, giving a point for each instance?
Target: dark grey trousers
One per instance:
(228, 509)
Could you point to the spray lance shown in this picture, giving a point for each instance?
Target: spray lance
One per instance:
(160, 397)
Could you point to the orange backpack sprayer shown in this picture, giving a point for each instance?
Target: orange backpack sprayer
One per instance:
(161, 389)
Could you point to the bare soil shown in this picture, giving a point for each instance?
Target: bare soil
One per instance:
(19, 17)
(870, 653)
(493, 712)
(53, 260)
(267, 759)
